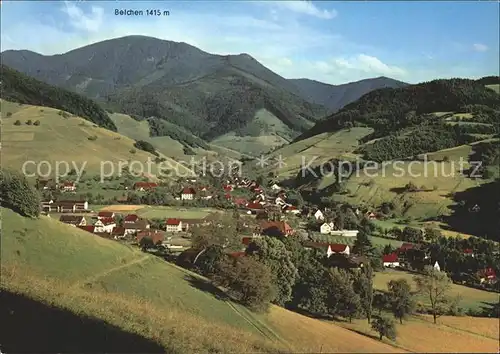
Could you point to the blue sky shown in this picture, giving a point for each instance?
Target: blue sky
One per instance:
(333, 42)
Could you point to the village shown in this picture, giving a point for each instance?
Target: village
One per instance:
(262, 210)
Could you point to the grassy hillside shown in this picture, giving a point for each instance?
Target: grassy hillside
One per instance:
(17, 87)
(85, 275)
(57, 138)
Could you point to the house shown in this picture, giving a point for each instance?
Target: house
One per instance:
(326, 228)
(318, 215)
(105, 225)
(390, 260)
(291, 209)
(487, 275)
(106, 214)
(173, 225)
(275, 228)
(118, 232)
(228, 188)
(88, 228)
(188, 223)
(279, 201)
(143, 186)
(254, 207)
(134, 227)
(344, 233)
(469, 252)
(130, 219)
(68, 186)
(156, 236)
(275, 187)
(337, 248)
(188, 194)
(73, 220)
(405, 247)
(65, 206)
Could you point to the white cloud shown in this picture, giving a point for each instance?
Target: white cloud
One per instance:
(78, 19)
(304, 7)
(479, 47)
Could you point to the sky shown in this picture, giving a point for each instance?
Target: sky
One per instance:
(333, 42)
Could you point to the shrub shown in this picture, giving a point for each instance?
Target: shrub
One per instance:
(17, 194)
(8, 114)
(145, 146)
(29, 122)
(37, 122)
(132, 151)
(17, 122)
(92, 138)
(64, 114)
(411, 187)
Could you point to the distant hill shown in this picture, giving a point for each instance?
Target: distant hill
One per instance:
(334, 97)
(210, 95)
(17, 87)
(390, 109)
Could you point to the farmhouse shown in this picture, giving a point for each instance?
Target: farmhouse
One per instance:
(68, 186)
(65, 206)
(275, 228)
(73, 220)
(118, 232)
(326, 228)
(188, 194)
(130, 219)
(337, 248)
(487, 275)
(173, 225)
(106, 214)
(133, 227)
(390, 260)
(291, 209)
(142, 186)
(105, 225)
(155, 235)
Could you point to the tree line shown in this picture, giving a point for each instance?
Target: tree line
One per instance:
(21, 88)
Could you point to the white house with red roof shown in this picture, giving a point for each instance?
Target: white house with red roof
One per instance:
(173, 225)
(104, 225)
(68, 186)
(131, 218)
(337, 248)
(188, 193)
(106, 214)
(390, 260)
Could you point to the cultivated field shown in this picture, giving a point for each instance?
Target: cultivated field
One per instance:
(122, 208)
(72, 139)
(90, 276)
(160, 212)
(470, 297)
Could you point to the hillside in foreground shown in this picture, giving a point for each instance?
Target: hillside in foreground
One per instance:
(136, 294)
(134, 302)
(63, 137)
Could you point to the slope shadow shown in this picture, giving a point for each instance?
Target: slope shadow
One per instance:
(207, 287)
(33, 327)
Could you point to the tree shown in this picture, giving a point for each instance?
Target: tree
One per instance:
(17, 194)
(146, 242)
(412, 234)
(220, 231)
(431, 234)
(363, 286)
(435, 285)
(37, 122)
(380, 301)
(343, 300)
(400, 298)
(208, 263)
(29, 122)
(9, 114)
(17, 122)
(271, 252)
(384, 327)
(388, 249)
(251, 280)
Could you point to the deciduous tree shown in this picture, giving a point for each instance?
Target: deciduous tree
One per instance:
(400, 298)
(434, 285)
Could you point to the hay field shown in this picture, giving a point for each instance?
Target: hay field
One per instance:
(421, 336)
(121, 208)
(161, 212)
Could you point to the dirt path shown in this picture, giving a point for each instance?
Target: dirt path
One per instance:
(93, 278)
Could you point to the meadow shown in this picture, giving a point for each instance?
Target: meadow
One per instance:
(73, 139)
(82, 274)
(470, 298)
